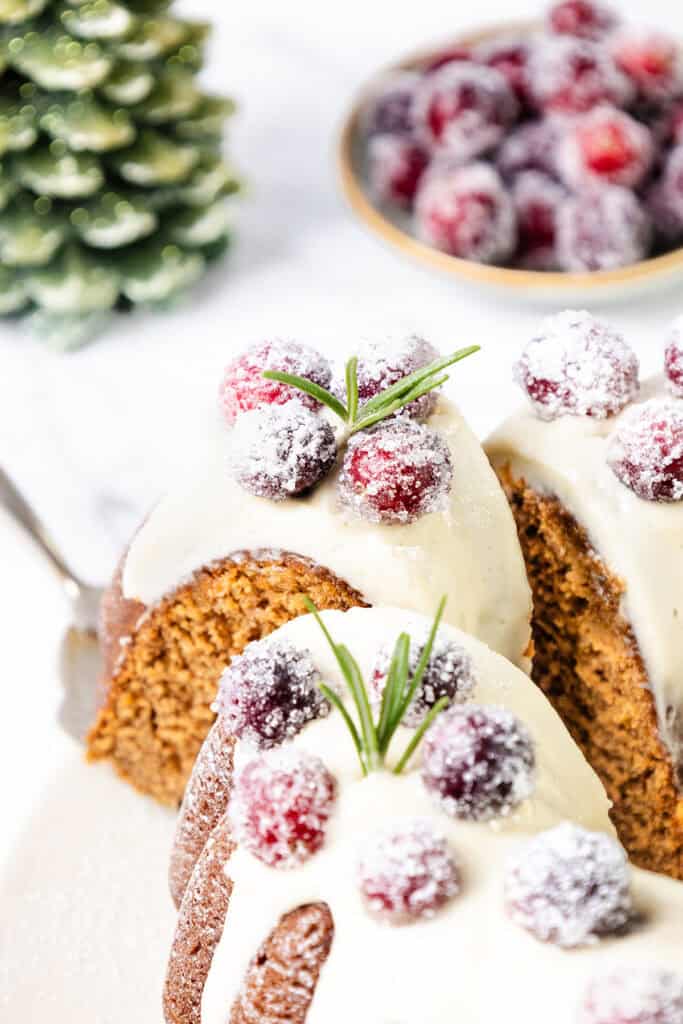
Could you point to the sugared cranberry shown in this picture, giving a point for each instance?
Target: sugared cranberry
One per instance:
(537, 200)
(407, 872)
(673, 359)
(510, 56)
(244, 388)
(396, 164)
(396, 473)
(635, 995)
(606, 145)
(449, 673)
(389, 110)
(571, 76)
(282, 451)
(463, 109)
(665, 199)
(479, 762)
(531, 147)
(269, 693)
(452, 53)
(651, 60)
(467, 212)
(646, 451)
(569, 886)
(280, 806)
(577, 366)
(602, 228)
(588, 19)
(383, 363)
(676, 122)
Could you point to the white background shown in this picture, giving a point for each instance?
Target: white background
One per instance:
(94, 437)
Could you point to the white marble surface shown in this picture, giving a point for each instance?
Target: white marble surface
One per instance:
(93, 437)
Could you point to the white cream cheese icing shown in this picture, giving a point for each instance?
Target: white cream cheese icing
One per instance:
(640, 541)
(469, 551)
(469, 963)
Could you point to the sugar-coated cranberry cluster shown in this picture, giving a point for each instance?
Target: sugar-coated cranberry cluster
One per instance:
(579, 366)
(283, 445)
(591, 106)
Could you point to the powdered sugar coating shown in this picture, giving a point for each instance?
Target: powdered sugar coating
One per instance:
(389, 110)
(383, 363)
(606, 145)
(634, 995)
(395, 473)
(407, 871)
(396, 164)
(449, 673)
(577, 366)
(651, 59)
(244, 388)
(478, 762)
(466, 212)
(665, 199)
(537, 198)
(571, 75)
(269, 693)
(463, 109)
(280, 805)
(587, 19)
(646, 451)
(509, 55)
(673, 359)
(569, 886)
(282, 450)
(602, 228)
(531, 147)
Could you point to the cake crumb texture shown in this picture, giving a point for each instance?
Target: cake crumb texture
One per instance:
(588, 663)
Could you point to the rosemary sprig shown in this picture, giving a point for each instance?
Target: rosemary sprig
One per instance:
(371, 738)
(384, 404)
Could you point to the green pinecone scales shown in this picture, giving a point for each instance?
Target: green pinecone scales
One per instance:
(112, 183)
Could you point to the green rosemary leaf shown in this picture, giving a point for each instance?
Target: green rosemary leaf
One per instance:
(400, 685)
(399, 403)
(352, 388)
(404, 385)
(419, 733)
(336, 700)
(353, 676)
(424, 659)
(393, 689)
(310, 388)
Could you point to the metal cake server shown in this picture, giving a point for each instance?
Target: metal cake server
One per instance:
(80, 658)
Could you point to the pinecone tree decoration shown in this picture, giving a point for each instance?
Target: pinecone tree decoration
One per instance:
(112, 185)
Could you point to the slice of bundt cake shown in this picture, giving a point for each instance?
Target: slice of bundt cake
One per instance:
(396, 502)
(409, 833)
(594, 475)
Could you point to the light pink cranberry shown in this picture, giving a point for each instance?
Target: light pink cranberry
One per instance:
(396, 164)
(646, 451)
(673, 359)
(577, 366)
(464, 109)
(587, 19)
(537, 199)
(609, 146)
(407, 872)
(571, 76)
(652, 61)
(467, 212)
(280, 806)
(602, 228)
(634, 994)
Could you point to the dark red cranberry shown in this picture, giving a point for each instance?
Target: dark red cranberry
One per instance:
(464, 109)
(607, 145)
(651, 60)
(280, 805)
(449, 673)
(531, 147)
(510, 56)
(571, 76)
(577, 366)
(383, 363)
(587, 19)
(452, 53)
(407, 872)
(569, 886)
(635, 995)
(673, 359)
(396, 164)
(479, 762)
(244, 388)
(602, 228)
(282, 451)
(537, 199)
(665, 199)
(468, 213)
(676, 122)
(646, 451)
(269, 693)
(396, 473)
(390, 110)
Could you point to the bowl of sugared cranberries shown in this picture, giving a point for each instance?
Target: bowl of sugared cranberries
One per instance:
(541, 159)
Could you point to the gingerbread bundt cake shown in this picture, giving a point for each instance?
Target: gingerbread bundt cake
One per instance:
(366, 489)
(594, 475)
(416, 839)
